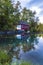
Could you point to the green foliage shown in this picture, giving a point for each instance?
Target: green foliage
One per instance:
(4, 58)
(22, 63)
(10, 15)
(6, 10)
(7, 14)
(40, 35)
(40, 28)
(26, 63)
(29, 16)
(0, 64)
(26, 14)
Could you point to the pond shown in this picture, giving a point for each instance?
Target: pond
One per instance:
(28, 47)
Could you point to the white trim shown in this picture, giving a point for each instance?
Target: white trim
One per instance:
(18, 27)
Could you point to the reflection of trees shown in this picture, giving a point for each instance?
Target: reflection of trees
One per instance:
(32, 38)
(24, 45)
(13, 46)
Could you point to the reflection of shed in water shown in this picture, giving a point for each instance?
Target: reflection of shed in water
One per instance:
(22, 36)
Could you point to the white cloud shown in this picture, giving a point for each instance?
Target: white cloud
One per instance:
(41, 19)
(38, 10)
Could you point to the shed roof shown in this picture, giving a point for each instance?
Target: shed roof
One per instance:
(23, 22)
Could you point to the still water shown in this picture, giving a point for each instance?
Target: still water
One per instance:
(24, 47)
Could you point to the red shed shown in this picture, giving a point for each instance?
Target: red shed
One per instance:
(23, 25)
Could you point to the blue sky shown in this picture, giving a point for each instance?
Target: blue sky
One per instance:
(34, 5)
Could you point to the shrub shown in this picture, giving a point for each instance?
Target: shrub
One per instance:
(4, 58)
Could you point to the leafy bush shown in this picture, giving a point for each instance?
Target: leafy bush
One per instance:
(4, 58)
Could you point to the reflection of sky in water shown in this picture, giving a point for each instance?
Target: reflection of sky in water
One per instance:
(34, 55)
(40, 43)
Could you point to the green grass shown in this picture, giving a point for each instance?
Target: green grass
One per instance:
(25, 63)
(22, 63)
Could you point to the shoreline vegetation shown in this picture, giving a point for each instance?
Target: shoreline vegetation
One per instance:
(5, 59)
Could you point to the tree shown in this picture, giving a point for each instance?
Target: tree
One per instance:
(7, 14)
(6, 11)
(29, 16)
(10, 15)
(40, 27)
(33, 24)
(17, 12)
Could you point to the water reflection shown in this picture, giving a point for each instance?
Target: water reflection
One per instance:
(19, 44)
(25, 46)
